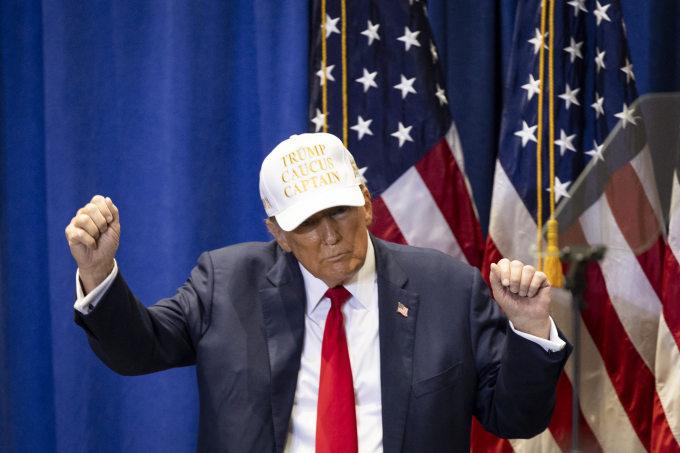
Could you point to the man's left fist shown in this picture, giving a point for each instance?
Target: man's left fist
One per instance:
(524, 296)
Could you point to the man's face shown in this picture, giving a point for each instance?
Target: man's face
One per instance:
(332, 243)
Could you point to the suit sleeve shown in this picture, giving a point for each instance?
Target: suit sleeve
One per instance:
(517, 378)
(132, 339)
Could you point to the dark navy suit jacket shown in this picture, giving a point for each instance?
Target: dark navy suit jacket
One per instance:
(240, 320)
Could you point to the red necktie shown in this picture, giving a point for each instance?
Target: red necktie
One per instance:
(336, 418)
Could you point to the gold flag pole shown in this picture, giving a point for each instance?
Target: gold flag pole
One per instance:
(344, 74)
(324, 56)
(539, 141)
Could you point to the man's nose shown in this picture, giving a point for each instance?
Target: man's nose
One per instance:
(328, 229)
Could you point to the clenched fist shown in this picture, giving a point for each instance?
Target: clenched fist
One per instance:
(93, 236)
(524, 296)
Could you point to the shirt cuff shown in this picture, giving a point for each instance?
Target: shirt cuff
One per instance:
(555, 343)
(85, 304)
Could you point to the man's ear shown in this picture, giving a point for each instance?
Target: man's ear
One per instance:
(368, 206)
(278, 234)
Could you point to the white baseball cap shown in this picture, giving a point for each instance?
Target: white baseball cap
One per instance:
(306, 174)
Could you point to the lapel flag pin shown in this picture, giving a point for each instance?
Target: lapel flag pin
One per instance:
(402, 309)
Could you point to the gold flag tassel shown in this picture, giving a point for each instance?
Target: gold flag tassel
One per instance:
(553, 265)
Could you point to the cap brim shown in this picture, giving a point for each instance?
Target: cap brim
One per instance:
(292, 217)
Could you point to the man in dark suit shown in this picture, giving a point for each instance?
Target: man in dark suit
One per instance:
(327, 338)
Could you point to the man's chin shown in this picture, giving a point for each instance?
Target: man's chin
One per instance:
(341, 272)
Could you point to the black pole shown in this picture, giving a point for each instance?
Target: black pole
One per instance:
(578, 259)
(576, 378)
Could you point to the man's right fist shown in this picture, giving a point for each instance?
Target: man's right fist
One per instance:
(93, 236)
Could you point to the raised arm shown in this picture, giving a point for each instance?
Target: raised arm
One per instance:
(517, 375)
(127, 336)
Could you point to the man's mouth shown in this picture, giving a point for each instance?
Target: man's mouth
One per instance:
(337, 257)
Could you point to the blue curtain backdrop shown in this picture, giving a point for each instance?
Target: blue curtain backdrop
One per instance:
(169, 108)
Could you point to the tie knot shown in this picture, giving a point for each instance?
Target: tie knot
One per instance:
(338, 296)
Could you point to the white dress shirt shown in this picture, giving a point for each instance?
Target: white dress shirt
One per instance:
(361, 327)
(86, 304)
(360, 313)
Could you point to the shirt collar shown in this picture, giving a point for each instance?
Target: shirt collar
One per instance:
(360, 285)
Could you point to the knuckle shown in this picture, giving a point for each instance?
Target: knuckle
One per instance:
(97, 218)
(82, 219)
(86, 238)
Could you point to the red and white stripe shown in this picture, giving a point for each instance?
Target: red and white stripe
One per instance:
(431, 205)
(630, 374)
(666, 435)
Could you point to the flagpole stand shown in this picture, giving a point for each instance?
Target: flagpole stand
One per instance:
(576, 282)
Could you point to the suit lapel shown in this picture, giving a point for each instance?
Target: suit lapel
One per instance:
(397, 340)
(283, 307)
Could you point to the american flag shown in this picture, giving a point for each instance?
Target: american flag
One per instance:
(630, 366)
(402, 309)
(386, 97)
(667, 402)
